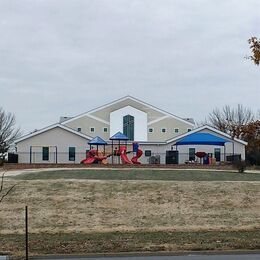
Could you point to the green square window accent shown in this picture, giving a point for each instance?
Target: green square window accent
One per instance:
(148, 153)
(128, 126)
(92, 129)
(189, 129)
(217, 154)
(176, 130)
(105, 129)
(192, 154)
(150, 130)
(72, 153)
(45, 153)
(163, 130)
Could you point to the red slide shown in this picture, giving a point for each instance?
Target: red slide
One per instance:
(89, 160)
(90, 157)
(123, 155)
(138, 155)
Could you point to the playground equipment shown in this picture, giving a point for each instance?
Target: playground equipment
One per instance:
(134, 160)
(139, 153)
(124, 158)
(95, 156)
(120, 151)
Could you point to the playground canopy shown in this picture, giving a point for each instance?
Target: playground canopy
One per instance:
(97, 141)
(119, 136)
(203, 139)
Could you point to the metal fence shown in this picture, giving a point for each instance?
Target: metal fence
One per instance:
(146, 158)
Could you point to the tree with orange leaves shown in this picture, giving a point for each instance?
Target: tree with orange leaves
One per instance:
(251, 134)
(255, 48)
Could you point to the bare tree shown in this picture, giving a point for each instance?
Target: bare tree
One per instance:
(4, 193)
(230, 120)
(8, 132)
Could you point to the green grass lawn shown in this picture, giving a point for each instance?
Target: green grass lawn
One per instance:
(141, 174)
(95, 211)
(80, 243)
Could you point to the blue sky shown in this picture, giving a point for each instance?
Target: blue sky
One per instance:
(66, 57)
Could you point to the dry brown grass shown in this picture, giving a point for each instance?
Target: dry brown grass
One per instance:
(105, 206)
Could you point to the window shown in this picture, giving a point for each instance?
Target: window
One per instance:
(150, 130)
(217, 154)
(128, 126)
(191, 154)
(72, 153)
(79, 129)
(92, 129)
(176, 130)
(189, 129)
(105, 129)
(147, 153)
(163, 130)
(45, 153)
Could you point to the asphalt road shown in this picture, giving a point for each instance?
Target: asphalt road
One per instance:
(182, 257)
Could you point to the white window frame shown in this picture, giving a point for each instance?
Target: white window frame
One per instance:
(165, 130)
(104, 129)
(178, 130)
(151, 129)
(93, 128)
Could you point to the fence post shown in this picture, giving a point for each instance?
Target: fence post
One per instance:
(26, 234)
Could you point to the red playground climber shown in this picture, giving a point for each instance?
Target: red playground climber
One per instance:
(94, 156)
(134, 160)
(139, 153)
(124, 158)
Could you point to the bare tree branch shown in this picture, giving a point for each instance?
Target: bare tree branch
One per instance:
(8, 191)
(231, 120)
(2, 187)
(8, 132)
(2, 182)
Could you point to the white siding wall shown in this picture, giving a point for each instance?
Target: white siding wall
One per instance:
(184, 149)
(64, 139)
(55, 137)
(140, 122)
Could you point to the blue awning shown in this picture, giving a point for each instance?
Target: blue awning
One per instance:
(203, 139)
(119, 136)
(97, 141)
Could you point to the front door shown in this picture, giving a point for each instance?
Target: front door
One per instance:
(217, 154)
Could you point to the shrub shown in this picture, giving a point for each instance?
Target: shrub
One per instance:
(240, 166)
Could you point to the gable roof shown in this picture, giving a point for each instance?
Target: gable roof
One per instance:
(202, 128)
(119, 136)
(189, 121)
(52, 127)
(97, 141)
(203, 139)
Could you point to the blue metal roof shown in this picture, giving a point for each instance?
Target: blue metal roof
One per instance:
(203, 139)
(119, 136)
(97, 141)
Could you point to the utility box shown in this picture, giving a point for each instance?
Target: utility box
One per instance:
(172, 157)
(154, 159)
(12, 158)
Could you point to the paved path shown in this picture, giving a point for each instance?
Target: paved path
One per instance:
(182, 257)
(15, 172)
